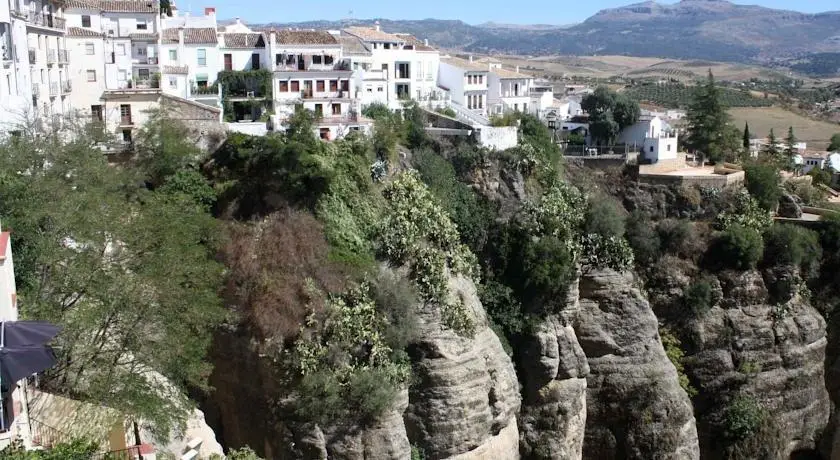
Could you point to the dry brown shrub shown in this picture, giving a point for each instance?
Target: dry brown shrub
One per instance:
(279, 272)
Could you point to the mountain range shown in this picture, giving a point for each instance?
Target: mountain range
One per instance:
(690, 29)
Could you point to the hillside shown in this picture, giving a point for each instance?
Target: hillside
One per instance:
(690, 29)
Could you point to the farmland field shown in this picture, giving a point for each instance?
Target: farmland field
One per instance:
(679, 96)
(761, 120)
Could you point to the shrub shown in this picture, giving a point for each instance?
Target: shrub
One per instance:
(787, 244)
(698, 297)
(643, 238)
(77, 449)
(674, 235)
(820, 176)
(763, 184)
(676, 355)
(738, 248)
(502, 306)
(743, 418)
(549, 266)
(397, 300)
(742, 209)
(605, 217)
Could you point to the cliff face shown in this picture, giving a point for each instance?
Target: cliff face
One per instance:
(773, 352)
(635, 405)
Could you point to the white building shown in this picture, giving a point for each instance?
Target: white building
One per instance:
(653, 137)
(15, 80)
(542, 100)
(467, 83)
(398, 65)
(310, 71)
(508, 90)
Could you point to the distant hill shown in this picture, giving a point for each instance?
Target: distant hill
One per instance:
(690, 29)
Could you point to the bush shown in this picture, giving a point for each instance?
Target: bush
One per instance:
(743, 418)
(397, 300)
(738, 247)
(643, 238)
(787, 244)
(77, 449)
(502, 306)
(820, 176)
(698, 297)
(674, 235)
(676, 355)
(548, 268)
(604, 217)
(763, 184)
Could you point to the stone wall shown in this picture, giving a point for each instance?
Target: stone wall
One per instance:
(498, 138)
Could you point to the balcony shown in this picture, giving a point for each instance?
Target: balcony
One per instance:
(66, 87)
(52, 57)
(152, 60)
(54, 89)
(125, 120)
(36, 89)
(63, 57)
(294, 66)
(204, 91)
(46, 20)
(33, 56)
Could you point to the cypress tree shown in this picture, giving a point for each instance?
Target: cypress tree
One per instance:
(708, 121)
(746, 136)
(790, 143)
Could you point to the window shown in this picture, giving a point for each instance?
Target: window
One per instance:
(142, 25)
(345, 85)
(319, 86)
(96, 113)
(90, 49)
(317, 59)
(324, 133)
(403, 70)
(295, 85)
(120, 49)
(333, 85)
(469, 79)
(85, 20)
(668, 147)
(202, 57)
(126, 136)
(419, 74)
(143, 74)
(91, 75)
(387, 46)
(173, 55)
(385, 68)
(336, 109)
(141, 51)
(328, 60)
(284, 87)
(255, 61)
(125, 114)
(379, 89)
(173, 82)
(402, 91)
(319, 110)
(122, 75)
(228, 59)
(651, 149)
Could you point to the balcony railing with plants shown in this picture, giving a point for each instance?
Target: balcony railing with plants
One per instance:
(46, 20)
(245, 83)
(66, 87)
(63, 57)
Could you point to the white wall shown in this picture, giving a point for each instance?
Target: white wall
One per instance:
(498, 138)
(242, 59)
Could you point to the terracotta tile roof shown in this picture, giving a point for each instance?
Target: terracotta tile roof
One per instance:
(243, 40)
(304, 37)
(371, 34)
(465, 64)
(352, 44)
(419, 45)
(176, 70)
(130, 6)
(506, 73)
(82, 5)
(81, 32)
(143, 36)
(192, 36)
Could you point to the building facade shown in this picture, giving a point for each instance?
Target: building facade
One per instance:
(467, 82)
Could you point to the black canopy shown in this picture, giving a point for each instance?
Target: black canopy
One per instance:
(19, 363)
(26, 333)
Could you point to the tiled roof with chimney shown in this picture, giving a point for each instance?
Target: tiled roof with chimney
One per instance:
(249, 40)
(373, 34)
(304, 37)
(192, 36)
(80, 32)
(465, 64)
(419, 45)
(353, 45)
(143, 36)
(115, 6)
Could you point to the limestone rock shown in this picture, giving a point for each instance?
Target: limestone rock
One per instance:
(775, 353)
(465, 393)
(636, 408)
(789, 206)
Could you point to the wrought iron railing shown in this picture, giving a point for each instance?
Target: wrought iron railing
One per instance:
(52, 56)
(54, 89)
(63, 57)
(46, 436)
(66, 86)
(46, 20)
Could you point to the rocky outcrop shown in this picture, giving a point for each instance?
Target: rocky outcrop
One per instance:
(554, 370)
(635, 407)
(773, 352)
(465, 396)
(790, 206)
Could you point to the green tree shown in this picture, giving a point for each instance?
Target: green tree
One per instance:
(164, 147)
(609, 113)
(708, 121)
(790, 143)
(763, 184)
(166, 7)
(834, 146)
(747, 138)
(770, 151)
(116, 266)
(738, 247)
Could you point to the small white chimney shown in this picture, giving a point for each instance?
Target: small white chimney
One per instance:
(376, 26)
(238, 21)
(426, 42)
(517, 69)
(470, 57)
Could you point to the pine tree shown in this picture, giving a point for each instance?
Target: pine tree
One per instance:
(746, 136)
(790, 143)
(771, 151)
(708, 121)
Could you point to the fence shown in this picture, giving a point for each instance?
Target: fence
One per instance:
(46, 436)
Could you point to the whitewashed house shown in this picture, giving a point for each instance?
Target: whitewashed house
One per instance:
(310, 71)
(190, 44)
(508, 90)
(651, 136)
(242, 48)
(542, 100)
(16, 85)
(467, 83)
(48, 58)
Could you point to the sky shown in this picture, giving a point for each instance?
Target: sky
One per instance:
(470, 11)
